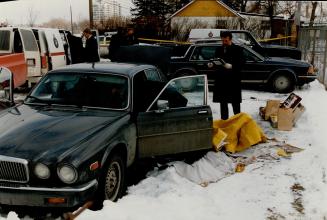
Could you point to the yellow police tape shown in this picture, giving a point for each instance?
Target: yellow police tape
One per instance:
(277, 38)
(182, 42)
(163, 41)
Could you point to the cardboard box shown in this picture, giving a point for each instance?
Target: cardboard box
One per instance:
(286, 116)
(271, 108)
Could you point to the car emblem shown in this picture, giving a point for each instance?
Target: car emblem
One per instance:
(55, 41)
(210, 34)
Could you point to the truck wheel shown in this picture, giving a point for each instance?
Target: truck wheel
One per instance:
(282, 83)
(114, 178)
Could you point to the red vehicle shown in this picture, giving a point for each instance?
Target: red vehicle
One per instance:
(30, 53)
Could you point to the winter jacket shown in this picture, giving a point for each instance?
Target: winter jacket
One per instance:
(228, 81)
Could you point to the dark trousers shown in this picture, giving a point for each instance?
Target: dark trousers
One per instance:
(224, 109)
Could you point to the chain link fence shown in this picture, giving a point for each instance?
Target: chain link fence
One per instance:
(313, 44)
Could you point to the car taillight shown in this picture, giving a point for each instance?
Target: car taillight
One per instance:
(311, 70)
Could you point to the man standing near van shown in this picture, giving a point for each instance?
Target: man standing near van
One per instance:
(91, 53)
(228, 78)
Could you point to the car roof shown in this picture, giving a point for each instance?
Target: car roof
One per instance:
(127, 69)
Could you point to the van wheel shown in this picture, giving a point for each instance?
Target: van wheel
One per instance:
(282, 83)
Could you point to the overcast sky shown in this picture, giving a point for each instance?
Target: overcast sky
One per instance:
(17, 12)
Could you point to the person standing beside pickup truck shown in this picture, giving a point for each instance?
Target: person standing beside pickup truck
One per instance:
(227, 87)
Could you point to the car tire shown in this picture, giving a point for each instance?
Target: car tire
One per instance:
(115, 161)
(114, 178)
(282, 83)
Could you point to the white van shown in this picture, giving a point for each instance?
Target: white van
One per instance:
(31, 52)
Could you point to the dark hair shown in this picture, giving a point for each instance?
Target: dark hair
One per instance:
(87, 31)
(226, 34)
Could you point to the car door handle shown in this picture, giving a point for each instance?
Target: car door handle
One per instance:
(202, 112)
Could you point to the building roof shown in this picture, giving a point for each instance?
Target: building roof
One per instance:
(218, 2)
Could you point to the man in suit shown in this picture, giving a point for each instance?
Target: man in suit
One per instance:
(91, 53)
(228, 77)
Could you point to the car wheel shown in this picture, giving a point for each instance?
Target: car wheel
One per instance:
(114, 178)
(282, 83)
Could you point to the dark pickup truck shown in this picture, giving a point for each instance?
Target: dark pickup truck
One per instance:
(280, 74)
(246, 38)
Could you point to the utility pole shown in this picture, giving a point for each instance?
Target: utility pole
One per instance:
(91, 13)
(71, 18)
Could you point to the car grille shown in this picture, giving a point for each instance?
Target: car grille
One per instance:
(13, 170)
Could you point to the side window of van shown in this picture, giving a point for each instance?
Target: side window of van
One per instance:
(4, 40)
(18, 45)
(29, 40)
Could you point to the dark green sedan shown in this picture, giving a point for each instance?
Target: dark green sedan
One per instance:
(78, 130)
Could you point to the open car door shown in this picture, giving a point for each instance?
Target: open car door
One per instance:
(6, 88)
(178, 120)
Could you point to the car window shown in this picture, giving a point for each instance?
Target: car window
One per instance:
(4, 40)
(146, 88)
(82, 89)
(204, 53)
(248, 56)
(243, 38)
(152, 75)
(180, 93)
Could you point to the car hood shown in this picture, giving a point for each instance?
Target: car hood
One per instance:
(287, 61)
(279, 47)
(32, 133)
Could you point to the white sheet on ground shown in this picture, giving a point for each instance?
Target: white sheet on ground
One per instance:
(211, 168)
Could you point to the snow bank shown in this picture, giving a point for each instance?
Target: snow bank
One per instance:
(263, 190)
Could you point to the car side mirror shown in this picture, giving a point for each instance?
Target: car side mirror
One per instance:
(6, 87)
(162, 105)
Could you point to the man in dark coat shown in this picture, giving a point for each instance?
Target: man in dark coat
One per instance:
(91, 50)
(76, 48)
(116, 41)
(228, 77)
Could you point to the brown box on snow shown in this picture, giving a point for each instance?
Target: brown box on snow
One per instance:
(271, 108)
(287, 117)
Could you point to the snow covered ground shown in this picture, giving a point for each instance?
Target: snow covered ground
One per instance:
(294, 188)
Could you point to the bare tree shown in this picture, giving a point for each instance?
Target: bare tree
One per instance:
(313, 13)
(180, 30)
(57, 23)
(32, 17)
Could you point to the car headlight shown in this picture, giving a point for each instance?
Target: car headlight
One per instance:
(67, 173)
(42, 171)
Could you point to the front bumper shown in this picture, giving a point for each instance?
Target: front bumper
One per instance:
(306, 79)
(38, 197)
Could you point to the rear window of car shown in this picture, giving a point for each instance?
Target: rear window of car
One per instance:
(4, 40)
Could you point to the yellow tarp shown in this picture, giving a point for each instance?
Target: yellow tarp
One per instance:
(241, 130)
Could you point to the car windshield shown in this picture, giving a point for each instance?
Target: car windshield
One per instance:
(82, 89)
